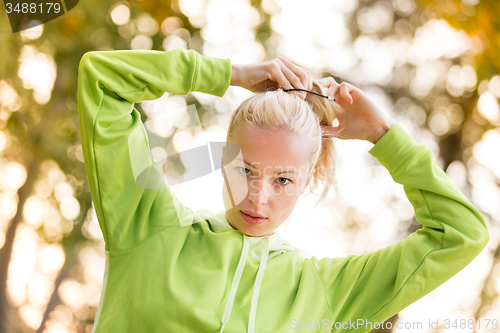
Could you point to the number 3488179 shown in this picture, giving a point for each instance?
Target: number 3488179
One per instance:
(48, 7)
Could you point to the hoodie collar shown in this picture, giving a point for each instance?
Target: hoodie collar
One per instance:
(276, 245)
(260, 248)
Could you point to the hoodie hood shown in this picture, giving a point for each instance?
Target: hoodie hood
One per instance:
(260, 248)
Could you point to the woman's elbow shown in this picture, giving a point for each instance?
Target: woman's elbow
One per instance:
(88, 61)
(485, 238)
(479, 241)
(85, 60)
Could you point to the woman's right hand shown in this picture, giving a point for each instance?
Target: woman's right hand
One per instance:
(271, 75)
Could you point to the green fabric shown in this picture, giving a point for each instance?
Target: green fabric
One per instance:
(165, 275)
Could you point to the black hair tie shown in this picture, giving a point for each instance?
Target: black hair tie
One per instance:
(311, 92)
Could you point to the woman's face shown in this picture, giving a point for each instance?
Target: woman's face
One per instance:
(266, 179)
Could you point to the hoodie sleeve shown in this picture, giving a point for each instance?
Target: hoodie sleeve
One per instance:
(375, 286)
(114, 141)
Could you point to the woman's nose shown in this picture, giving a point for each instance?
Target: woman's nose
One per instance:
(258, 192)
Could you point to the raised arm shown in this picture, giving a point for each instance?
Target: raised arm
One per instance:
(374, 286)
(114, 141)
(109, 83)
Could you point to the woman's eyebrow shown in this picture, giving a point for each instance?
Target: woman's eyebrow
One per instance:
(253, 167)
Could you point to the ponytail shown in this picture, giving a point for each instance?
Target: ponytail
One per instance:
(326, 112)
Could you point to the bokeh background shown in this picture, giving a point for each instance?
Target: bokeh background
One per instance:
(433, 66)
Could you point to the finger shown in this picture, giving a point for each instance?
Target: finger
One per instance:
(331, 131)
(304, 75)
(333, 90)
(294, 81)
(290, 76)
(331, 84)
(276, 74)
(327, 82)
(345, 91)
(310, 80)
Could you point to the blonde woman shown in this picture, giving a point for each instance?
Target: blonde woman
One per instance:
(229, 271)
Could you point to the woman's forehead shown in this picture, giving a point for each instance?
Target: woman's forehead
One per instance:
(257, 134)
(279, 150)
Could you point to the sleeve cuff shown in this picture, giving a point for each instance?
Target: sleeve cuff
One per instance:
(213, 75)
(393, 148)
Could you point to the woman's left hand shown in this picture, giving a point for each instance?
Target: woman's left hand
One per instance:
(359, 117)
(271, 75)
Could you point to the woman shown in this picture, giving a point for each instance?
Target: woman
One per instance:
(227, 271)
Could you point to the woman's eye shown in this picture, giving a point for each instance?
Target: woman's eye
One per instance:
(243, 171)
(281, 180)
(288, 181)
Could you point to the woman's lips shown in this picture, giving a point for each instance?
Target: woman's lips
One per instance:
(252, 220)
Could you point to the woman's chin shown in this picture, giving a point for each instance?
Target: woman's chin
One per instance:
(254, 233)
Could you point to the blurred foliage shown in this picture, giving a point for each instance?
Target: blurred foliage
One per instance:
(481, 21)
(49, 132)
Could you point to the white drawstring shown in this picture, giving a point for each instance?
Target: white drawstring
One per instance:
(272, 243)
(258, 282)
(236, 282)
(256, 287)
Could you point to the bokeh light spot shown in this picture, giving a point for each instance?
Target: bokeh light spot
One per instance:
(120, 15)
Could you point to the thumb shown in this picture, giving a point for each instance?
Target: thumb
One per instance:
(331, 131)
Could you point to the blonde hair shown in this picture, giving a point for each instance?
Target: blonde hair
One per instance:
(280, 110)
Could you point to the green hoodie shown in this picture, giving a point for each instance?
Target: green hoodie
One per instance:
(165, 275)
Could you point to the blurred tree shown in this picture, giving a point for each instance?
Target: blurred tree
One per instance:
(480, 20)
(40, 132)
